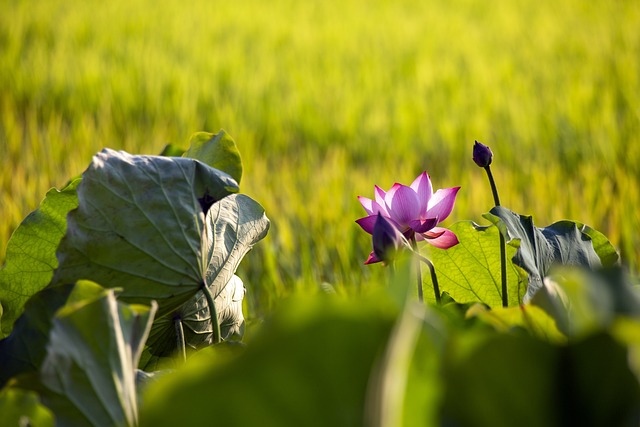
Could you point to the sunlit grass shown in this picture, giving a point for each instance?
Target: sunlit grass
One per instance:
(326, 99)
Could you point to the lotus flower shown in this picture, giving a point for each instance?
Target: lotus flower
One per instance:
(414, 210)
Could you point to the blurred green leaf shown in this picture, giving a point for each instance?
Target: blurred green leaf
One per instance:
(31, 252)
(525, 316)
(218, 151)
(89, 372)
(22, 408)
(501, 380)
(172, 150)
(232, 226)
(564, 242)
(470, 271)
(25, 348)
(599, 389)
(584, 301)
(139, 226)
(308, 365)
(406, 387)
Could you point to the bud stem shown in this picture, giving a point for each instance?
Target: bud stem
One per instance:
(503, 244)
(494, 189)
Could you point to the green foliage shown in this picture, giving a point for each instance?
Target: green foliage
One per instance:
(25, 348)
(470, 271)
(89, 371)
(20, 407)
(232, 227)
(310, 365)
(218, 151)
(139, 226)
(540, 248)
(31, 253)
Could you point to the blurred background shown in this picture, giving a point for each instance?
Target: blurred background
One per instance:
(326, 99)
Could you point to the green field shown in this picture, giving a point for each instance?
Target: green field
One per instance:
(326, 99)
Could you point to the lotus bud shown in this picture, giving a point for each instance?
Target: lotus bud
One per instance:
(388, 241)
(482, 154)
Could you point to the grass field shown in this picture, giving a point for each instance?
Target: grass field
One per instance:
(326, 99)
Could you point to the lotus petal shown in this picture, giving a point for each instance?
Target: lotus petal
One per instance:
(422, 186)
(403, 204)
(441, 204)
(444, 238)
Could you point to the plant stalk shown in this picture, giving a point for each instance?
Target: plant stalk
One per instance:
(432, 270)
(182, 346)
(414, 245)
(213, 313)
(503, 244)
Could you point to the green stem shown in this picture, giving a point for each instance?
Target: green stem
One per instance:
(503, 270)
(494, 189)
(414, 245)
(213, 313)
(503, 244)
(434, 277)
(182, 347)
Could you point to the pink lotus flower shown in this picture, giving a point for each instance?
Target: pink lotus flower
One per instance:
(414, 210)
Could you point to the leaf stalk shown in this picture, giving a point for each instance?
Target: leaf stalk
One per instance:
(503, 244)
(213, 313)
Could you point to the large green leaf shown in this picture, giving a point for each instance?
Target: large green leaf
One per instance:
(31, 252)
(218, 151)
(470, 271)
(89, 372)
(233, 226)
(564, 242)
(139, 226)
(310, 365)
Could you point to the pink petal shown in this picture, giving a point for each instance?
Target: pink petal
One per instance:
(422, 186)
(423, 225)
(367, 223)
(372, 259)
(379, 193)
(441, 204)
(403, 204)
(372, 207)
(367, 204)
(445, 239)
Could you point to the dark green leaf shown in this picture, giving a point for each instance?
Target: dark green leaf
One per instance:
(25, 348)
(539, 248)
(470, 271)
(599, 386)
(501, 380)
(218, 151)
(139, 226)
(31, 252)
(89, 372)
(233, 226)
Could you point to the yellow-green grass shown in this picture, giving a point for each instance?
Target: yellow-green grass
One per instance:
(326, 99)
